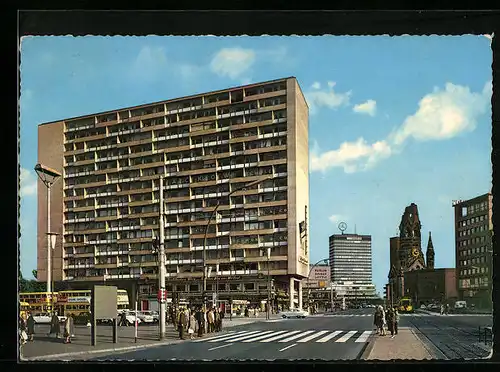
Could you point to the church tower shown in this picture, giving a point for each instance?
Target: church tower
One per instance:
(430, 253)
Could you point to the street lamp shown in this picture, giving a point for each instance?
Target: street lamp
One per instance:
(268, 303)
(250, 184)
(325, 261)
(48, 176)
(52, 244)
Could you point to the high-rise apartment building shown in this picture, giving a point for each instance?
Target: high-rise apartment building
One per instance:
(473, 249)
(106, 207)
(351, 258)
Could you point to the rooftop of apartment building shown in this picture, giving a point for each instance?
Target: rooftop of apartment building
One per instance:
(177, 99)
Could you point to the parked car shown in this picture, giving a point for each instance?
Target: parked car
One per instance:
(42, 318)
(130, 317)
(154, 314)
(294, 313)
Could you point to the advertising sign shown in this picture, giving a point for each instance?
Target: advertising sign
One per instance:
(105, 301)
(73, 300)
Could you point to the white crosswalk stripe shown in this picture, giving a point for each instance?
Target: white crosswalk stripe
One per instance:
(287, 336)
(346, 337)
(294, 337)
(329, 337)
(232, 336)
(364, 336)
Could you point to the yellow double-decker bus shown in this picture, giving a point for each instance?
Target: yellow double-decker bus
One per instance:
(39, 302)
(24, 307)
(77, 302)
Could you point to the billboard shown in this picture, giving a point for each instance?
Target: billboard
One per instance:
(105, 302)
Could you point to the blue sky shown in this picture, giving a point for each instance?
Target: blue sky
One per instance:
(393, 120)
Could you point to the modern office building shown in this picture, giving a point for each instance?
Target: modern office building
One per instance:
(106, 207)
(351, 258)
(474, 250)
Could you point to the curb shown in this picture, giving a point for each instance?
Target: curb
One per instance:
(92, 352)
(367, 349)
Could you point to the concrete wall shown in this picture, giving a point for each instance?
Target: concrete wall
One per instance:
(50, 154)
(298, 178)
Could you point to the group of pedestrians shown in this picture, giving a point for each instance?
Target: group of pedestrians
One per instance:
(196, 321)
(386, 320)
(27, 327)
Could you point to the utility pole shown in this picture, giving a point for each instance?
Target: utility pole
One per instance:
(268, 312)
(161, 269)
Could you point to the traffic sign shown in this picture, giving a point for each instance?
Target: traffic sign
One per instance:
(162, 295)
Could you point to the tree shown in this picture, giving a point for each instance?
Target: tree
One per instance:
(26, 285)
(35, 274)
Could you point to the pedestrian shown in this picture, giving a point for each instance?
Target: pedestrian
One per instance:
(384, 322)
(441, 309)
(376, 319)
(23, 337)
(181, 324)
(123, 319)
(192, 325)
(390, 321)
(396, 320)
(256, 313)
(55, 327)
(30, 326)
(217, 320)
(246, 312)
(199, 319)
(447, 309)
(68, 328)
(211, 320)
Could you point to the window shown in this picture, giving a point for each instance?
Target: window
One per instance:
(464, 211)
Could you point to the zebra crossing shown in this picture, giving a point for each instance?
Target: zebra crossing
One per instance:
(284, 336)
(366, 315)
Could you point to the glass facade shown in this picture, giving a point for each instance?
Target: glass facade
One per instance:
(351, 258)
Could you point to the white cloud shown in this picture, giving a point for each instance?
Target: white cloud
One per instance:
(316, 85)
(232, 62)
(444, 114)
(369, 107)
(352, 156)
(441, 115)
(151, 63)
(337, 218)
(27, 183)
(326, 98)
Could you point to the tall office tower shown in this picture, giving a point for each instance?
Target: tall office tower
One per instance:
(351, 258)
(474, 250)
(106, 207)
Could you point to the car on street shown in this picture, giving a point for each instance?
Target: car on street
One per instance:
(294, 313)
(153, 314)
(46, 318)
(130, 317)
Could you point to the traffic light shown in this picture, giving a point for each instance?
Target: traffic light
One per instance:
(385, 292)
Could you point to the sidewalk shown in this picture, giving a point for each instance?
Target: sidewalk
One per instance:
(405, 345)
(241, 320)
(51, 348)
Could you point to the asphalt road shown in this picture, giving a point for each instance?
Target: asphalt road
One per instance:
(317, 337)
(456, 337)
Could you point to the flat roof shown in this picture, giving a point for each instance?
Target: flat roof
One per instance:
(172, 100)
(470, 201)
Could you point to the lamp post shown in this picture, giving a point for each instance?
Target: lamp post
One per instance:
(325, 260)
(48, 176)
(268, 302)
(250, 184)
(161, 269)
(52, 242)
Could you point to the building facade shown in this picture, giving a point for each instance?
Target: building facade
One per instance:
(106, 207)
(431, 285)
(351, 258)
(474, 249)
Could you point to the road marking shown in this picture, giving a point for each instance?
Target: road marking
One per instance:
(280, 336)
(219, 336)
(246, 336)
(309, 338)
(233, 336)
(265, 336)
(288, 347)
(218, 347)
(346, 337)
(364, 336)
(296, 336)
(329, 337)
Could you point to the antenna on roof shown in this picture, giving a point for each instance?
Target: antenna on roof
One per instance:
(355, 229)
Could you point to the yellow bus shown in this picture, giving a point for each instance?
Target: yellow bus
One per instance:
(39, 302)
(405, 305)
(24, 307)
(77, 302)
